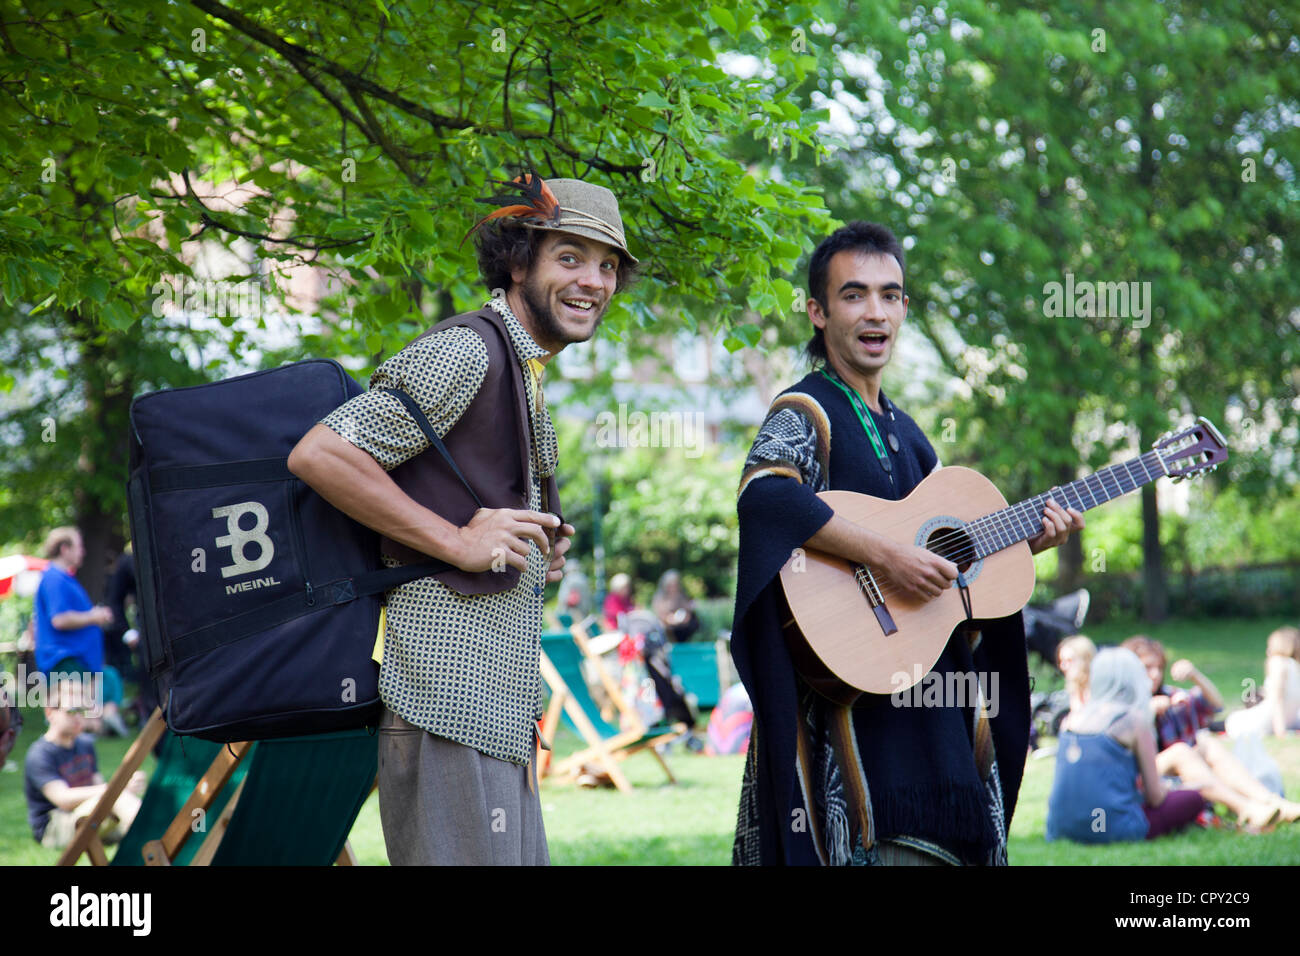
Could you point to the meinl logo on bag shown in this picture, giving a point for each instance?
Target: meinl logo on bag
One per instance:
(238, 539)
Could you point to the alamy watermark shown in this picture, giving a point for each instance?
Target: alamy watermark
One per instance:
(32, 689)
(212, 297)
(1098, 300)
(639, 429)
(954, 689)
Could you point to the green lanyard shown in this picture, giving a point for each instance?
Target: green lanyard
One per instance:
(868, 423)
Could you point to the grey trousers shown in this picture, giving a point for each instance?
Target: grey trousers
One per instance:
(444, 804)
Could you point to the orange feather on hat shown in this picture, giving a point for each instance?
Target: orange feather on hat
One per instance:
(541, 205)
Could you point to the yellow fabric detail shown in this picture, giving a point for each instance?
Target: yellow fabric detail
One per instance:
(537, 368)
(377, 655)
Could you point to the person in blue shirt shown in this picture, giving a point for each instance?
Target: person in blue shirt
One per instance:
(69, 635)
(1104, 749)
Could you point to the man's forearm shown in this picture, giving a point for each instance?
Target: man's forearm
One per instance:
(73, 620)
(354, 482)
(852, 542)
(1208, 689)
(72, 797)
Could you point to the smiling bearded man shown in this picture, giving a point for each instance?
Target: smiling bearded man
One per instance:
(868, 783)
(460, 651)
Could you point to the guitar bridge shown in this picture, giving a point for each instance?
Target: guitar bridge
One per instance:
(867, 584)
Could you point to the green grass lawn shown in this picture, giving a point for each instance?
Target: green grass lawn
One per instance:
(692, 822)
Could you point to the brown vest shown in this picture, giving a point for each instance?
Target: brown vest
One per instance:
(491, 443)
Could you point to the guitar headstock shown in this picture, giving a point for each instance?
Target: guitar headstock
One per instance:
(1192, 451)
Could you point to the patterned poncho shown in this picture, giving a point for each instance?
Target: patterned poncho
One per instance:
(825, 783)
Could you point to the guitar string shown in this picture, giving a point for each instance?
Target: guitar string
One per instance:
(959, 557)
(1015, 511)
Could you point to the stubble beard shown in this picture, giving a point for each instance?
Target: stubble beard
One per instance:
(547, 325)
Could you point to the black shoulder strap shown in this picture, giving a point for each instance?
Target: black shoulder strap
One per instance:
(425, 426)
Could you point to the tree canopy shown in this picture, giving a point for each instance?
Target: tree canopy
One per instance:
(1016, 151)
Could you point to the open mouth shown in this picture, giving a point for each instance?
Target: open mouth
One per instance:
(874, 342)
(580, 306)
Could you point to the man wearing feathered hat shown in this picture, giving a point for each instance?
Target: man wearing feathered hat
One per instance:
(459, 651)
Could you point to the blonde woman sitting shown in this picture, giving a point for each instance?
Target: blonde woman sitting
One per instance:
(1279, 711)
(1074, 656)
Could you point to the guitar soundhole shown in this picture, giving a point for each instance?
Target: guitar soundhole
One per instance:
(954, 544)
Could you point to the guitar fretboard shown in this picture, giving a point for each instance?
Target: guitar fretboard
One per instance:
(1024, 520)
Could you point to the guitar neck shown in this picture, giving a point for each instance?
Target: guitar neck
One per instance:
(1024, 520)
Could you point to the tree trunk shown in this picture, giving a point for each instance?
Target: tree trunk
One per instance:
(103, 455)
(1155, 599)
(1069, 568)
(1069, 556)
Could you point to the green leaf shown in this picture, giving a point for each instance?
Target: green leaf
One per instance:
(266, 178)
(24, 224)
(96, 287)
(124, 167)
(786, 249)
(423, 220)
(653, 100)
(43, 303)
(86, 124)
(748, 334)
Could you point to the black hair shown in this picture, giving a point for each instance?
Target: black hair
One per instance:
(869, 238)
(504, 246)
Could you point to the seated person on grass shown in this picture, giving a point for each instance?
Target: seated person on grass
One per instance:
(1106, 748)
(1074, 657)
(1279, 711)
(62, 782)
(1189, 751)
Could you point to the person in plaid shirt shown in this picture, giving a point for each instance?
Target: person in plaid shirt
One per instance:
(1189, 751)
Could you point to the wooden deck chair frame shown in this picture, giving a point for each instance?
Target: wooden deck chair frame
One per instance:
(162, 851)
(604, 753)
(86, 839)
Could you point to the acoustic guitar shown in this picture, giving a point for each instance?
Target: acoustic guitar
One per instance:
(851, 631)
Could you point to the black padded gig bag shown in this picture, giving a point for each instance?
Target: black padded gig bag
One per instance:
(259, 600)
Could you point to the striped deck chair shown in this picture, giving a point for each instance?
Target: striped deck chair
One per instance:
(297, 804)
(562, 658)
(289, 802)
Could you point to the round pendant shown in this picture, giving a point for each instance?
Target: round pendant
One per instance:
(893, 441)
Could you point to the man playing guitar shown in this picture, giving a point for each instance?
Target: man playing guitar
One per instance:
(874, 782)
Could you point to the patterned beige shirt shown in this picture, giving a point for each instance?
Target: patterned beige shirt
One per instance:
(462, 666)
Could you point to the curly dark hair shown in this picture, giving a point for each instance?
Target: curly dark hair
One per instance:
(504, 246)
(868, 238)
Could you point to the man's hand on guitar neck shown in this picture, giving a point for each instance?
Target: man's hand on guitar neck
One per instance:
(1057, 525)
(913, 572)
